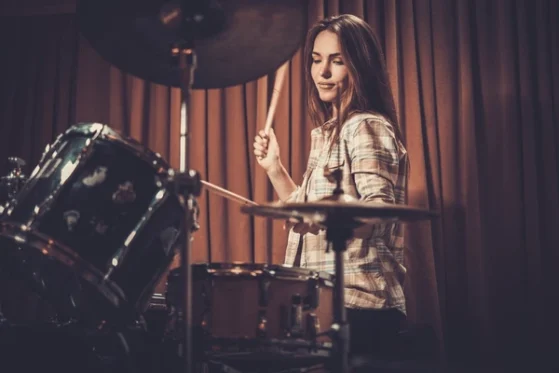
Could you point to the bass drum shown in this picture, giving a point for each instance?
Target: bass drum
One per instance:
(99, 223)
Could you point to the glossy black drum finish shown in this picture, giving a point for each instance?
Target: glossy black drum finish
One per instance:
(96, 225)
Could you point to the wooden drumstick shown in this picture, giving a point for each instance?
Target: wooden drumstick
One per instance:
(278, 84)
(227, 194)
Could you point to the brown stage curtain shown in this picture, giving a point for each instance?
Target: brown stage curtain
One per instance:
(477, 90)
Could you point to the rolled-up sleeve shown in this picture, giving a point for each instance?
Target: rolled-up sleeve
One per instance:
(293, 196)
(373, 152)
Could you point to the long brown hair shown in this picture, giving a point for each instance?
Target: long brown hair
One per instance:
(368, 86)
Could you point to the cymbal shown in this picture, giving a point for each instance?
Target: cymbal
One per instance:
(321, 211)
(236, 42)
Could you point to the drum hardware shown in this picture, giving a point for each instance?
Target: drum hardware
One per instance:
(262, 323)
(113, 222)
(340, 214)
(11, 184)
(313, 299)
(314, 326)
(263, 294)
(187, 65)
(51, 160)
(119, 257)
(295, 317)
(245, 311)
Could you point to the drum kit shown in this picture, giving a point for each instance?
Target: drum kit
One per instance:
(96, 225)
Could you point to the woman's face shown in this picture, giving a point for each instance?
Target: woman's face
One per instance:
(328, 69)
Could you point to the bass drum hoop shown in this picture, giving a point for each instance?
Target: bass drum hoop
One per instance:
(23, 236)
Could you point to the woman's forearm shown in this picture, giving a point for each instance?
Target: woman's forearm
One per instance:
(281, 181)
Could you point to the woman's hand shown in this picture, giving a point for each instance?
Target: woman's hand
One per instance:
(266, 150)
(302, 227)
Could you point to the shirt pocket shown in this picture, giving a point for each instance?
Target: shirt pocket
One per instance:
(334, 162)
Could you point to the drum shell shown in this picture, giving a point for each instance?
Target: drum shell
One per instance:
(255, 301)
(98, 203)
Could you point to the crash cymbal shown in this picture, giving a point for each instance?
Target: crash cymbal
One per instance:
(348, 210)
(236, 41)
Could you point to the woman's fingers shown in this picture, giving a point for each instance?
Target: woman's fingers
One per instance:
(261, 140)
(301, 227)
(259, 154)
(290, 223)
(259, 147)
(313, 229)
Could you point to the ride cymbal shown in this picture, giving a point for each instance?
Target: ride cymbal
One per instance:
(235, 41)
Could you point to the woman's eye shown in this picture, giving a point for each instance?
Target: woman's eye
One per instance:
(338, 62)
(316, 61)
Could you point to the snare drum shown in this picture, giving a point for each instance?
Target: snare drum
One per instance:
(97, 205)
(257, 311)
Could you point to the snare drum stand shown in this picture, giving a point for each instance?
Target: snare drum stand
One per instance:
(191, 20)
(187, 184)
(338, 231)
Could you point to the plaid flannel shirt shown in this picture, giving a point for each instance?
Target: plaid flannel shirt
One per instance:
(374, 165)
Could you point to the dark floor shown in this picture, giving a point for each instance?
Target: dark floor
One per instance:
(26, 349)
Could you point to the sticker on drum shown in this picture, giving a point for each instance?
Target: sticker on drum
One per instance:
(255, 311)
(97, 177)
(97, 203)
(125, 193)
(71, 218)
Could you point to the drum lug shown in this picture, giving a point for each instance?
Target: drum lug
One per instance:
(295, 317)
(205, 323)
(261, 329)
(157, 200)
(263, 294)
(50, 166)
(312, 300)
(313, 326)
(207, 304)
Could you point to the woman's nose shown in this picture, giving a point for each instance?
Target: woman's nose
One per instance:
(325, 71)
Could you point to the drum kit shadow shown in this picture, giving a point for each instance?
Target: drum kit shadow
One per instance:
(96, 225)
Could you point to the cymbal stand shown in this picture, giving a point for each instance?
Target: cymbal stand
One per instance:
(338, 231)
(11, 184)
(187, 184)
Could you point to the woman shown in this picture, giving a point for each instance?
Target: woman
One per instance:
(343, 57)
